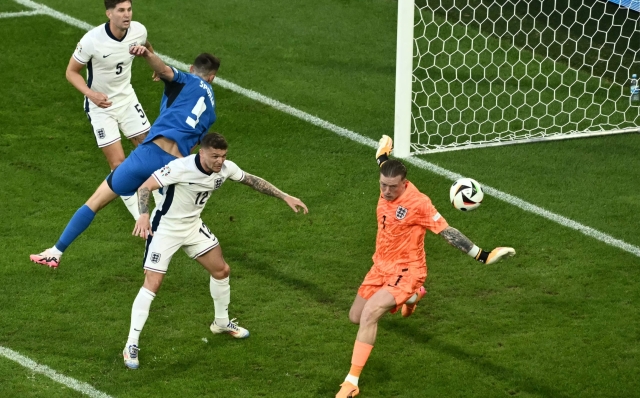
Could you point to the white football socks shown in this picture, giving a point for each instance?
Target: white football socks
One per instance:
(352, 379)
(221, 295)
(139, 314)
(132, 205)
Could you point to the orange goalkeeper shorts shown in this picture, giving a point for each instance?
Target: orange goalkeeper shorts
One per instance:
(402, 283)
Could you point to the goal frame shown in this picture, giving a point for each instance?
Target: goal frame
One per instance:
(404, 92)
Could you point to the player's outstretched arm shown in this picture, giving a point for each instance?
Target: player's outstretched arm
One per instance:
(143, 225)
(385, 145)
(457, 239)
(267, 188)
(159, 67)
(149, 47)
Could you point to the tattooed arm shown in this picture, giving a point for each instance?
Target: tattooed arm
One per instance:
(263, 186)
(267, 188)
(143, 226)
(143, 200)
(457, 239)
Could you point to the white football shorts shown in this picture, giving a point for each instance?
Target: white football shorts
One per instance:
(163, 244)
(108, 122)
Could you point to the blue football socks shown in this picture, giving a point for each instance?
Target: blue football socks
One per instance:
(76, 226)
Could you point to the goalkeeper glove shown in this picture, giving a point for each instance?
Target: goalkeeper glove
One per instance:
(495, 255)
(385, 145)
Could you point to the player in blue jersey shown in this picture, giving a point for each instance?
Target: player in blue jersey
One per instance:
(187, 111)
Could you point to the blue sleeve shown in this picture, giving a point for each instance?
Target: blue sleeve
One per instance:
(178, 76)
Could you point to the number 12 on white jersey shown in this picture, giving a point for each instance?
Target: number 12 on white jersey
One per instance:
(197, 110)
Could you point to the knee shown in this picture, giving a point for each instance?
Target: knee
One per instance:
(115, 162)
(152, 287)
(221, 273)
(101, 197)
(368, 316)
(152, 282)
(354, 317)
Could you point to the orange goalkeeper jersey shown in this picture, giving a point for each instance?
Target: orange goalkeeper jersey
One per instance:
(402, 224)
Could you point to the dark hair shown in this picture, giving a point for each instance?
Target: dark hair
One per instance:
(206, 64)
(109, 4)
(215, 141)
(393, 168)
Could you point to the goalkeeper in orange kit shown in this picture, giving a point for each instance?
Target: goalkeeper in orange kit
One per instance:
(399, 268)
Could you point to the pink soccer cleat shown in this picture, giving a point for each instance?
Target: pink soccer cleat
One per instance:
(46, 258)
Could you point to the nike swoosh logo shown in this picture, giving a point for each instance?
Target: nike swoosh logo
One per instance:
(136, 329)
(105, 56)
(145, 122)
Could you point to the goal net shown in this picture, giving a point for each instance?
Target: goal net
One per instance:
(475, 73)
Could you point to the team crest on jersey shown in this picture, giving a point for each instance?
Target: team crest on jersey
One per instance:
(155, 257)
(217, 183)
(401, 212)
(135, 43)
(79, 47)
(165, 171)
(101, 134)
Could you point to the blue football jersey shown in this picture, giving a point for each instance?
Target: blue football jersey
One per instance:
(187, 111)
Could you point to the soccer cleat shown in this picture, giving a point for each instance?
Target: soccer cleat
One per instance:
(232, 328)
(348, 390)
(46, 258)
(499, 253)
(130, 354)
(385, 145)
(407, 309)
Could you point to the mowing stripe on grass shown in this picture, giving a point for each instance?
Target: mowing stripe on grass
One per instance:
(18, 14)
(74, 384)
(423, 164)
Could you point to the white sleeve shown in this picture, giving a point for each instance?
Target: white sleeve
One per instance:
(84, 50)
(144, 34)
(171, 173)
(234, 172)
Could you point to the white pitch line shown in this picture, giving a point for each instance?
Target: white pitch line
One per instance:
(18, 14)
(316, 121)
(74, 384)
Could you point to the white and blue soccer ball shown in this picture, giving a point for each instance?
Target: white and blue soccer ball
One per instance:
(466, 194)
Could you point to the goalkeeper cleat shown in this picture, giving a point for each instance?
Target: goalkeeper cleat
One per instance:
(232, 328)
(46, 258)
(499, 253)
(385, 145)
(348, 390)
(407, 309)
(130, 354)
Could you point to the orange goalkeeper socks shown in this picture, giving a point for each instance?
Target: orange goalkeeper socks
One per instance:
(361, 353)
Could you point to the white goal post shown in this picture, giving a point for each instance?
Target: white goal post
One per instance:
(479, 73)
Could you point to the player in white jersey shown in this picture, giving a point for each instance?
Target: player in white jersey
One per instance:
(110, 102)
(176, 223)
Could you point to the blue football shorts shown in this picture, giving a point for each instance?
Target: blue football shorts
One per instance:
(137, 168)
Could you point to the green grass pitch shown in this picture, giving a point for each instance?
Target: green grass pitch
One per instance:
(558, 320)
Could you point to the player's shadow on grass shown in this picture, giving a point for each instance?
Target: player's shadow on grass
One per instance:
(418, 336)
(308, 288)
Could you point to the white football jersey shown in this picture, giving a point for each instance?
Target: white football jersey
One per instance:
(187, 188)
(108, 61)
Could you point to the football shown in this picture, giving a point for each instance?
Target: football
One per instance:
(466, 194)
